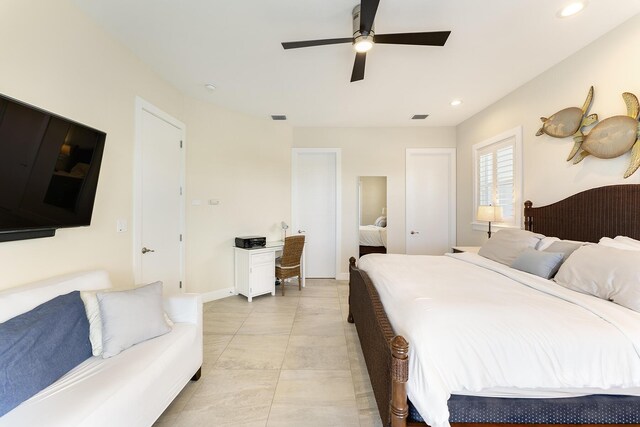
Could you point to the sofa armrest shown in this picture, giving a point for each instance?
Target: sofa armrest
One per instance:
(185, 308)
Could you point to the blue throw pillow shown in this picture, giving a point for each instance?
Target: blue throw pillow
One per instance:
(40, 346)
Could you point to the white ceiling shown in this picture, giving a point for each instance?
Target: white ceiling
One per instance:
(495, 46)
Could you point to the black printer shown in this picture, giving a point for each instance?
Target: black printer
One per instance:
(248, 242)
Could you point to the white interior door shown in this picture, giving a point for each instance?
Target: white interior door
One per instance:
(430, 201)
(159, 240)
(315, 208)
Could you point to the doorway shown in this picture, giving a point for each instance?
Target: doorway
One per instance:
(430, 201)
(158, 198)
(315, 207)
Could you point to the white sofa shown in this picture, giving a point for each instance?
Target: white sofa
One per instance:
(131, 389)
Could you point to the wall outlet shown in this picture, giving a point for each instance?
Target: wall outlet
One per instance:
(121, 226)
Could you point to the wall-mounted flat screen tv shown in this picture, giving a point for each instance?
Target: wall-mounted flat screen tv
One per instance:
(49, 168)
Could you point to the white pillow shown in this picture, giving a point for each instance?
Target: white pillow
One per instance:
(381, 221)
(618, 244)
(505, 245)
(92, 308)
(605, 272)
(628, 240)
(131, 317)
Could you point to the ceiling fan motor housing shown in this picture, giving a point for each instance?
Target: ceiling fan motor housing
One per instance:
(356, 26)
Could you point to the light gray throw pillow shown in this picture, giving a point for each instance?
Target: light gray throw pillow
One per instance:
(563, 247)
(505, 245)
(130, 317)
(540, 263)
(604, 272)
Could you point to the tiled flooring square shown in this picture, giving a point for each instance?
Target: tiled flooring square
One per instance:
(279, 361)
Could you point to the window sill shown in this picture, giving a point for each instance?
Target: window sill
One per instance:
(483, 226)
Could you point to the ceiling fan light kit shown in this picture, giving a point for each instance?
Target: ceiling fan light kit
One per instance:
(364, 37)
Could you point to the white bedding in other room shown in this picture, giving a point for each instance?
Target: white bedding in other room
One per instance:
(371, 235)
(477, 327)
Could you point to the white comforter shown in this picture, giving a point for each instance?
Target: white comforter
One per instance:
(371, 235)
(477, 327)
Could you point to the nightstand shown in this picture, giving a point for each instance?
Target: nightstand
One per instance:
(471, 249)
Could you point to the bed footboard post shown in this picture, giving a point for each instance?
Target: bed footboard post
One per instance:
(352, 264)
(399, 375)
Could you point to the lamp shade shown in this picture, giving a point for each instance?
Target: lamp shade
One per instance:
(490, 213)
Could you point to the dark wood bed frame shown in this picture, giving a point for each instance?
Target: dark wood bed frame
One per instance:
(365, 250)
(587, 216)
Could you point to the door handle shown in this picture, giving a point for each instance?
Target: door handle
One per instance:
(145, 250)
(415, 232)
(302, 231)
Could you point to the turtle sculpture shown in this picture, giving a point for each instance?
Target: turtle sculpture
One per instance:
(569, 121)
(613, 137)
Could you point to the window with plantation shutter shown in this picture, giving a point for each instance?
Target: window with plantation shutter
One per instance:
(498, 177)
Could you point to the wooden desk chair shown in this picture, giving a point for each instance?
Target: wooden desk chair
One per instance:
(289, 264)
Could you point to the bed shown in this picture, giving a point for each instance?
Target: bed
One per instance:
(373, 239)
(587, 216)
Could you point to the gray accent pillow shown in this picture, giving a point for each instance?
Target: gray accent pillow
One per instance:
(505, 245)
(130, 317)
(565, 248)
(604, 272)
(540, 263)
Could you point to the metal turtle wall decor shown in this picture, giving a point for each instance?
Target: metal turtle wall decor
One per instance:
(569, 121)
(612, 137)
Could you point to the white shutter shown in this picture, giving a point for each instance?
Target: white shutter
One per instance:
(495, 178)
(504, 182)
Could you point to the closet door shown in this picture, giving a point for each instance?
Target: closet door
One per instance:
(315, 208)
(430, 201)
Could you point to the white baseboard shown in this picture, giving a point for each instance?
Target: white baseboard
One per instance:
(219, 294)
(342, 276)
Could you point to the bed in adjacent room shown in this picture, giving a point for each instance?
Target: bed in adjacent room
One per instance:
(490, 339)
(373, 239)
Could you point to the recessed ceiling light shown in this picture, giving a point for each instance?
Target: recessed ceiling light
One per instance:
(210, 87)
(456, 102)
(419, 116)
(571, 9)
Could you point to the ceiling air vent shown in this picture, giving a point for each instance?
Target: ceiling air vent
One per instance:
(279, 117)
(419, 116)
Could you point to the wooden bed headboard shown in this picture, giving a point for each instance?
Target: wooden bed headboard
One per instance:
(587, 216)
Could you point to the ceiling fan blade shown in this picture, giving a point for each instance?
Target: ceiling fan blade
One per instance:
(309, 43)
(368, 9)
(358, 67)
(435, 38)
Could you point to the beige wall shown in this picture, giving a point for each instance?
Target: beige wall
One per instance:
(373, 198)
(611, 64)
(245, 163)
(373, 152)
(56, 58)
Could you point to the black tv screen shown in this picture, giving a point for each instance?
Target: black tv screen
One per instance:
(49, 170)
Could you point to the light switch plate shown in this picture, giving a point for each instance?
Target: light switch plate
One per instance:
(121, 225)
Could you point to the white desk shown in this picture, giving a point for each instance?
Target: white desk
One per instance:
(255, 269)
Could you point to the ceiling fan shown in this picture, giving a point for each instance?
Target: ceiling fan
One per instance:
(364, 37)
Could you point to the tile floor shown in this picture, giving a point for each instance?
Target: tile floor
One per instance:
(279, 361)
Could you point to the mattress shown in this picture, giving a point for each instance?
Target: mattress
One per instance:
(371, 235)
(479, 328)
